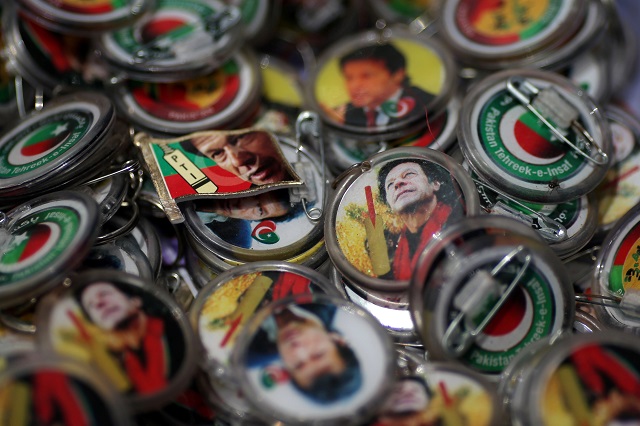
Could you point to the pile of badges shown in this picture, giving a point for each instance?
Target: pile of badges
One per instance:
(370, 213)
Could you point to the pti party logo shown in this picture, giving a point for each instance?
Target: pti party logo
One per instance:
(511, 323)
(26, 248)
(535, 143)
(528, 315)
(41, 142)
(400, 108)
(265, 232)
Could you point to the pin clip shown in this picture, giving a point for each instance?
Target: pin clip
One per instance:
(308, 127)
(475, 297)
(557, 114)
(628, 303)
(549, 228)
(129, 166)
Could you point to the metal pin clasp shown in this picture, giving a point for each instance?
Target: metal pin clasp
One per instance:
(628, 303)
(129, 166)
(482, 292)
(557, 114)
(5, 235)
(308, 128)
(548, 228)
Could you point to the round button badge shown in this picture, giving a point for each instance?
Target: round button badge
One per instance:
(343, 383)
(617, 276)
(211, 101)
(52, 390)
(87, 18)
(504, 137)
(225, 305)
(130, 330)
(270, 225)
(381, 83)
(490, 31)
(180, 39)
(386, 212)
(42, 241)
(487, 289)
(575, 378)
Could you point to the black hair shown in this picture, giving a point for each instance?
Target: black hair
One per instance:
(328, 388)
(231, 138)
(234, 231)
(448, 192)
(392, 58)
(189, 147)
(294, 211)
(77, 294)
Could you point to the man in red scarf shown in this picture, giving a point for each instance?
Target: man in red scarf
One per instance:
(421, 193)
(138, 339)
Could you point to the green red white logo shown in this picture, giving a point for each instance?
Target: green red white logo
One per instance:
(172, 20)
(400, 108)
(528, 315)
(522, 146)
(625, 271)
(37, 241)
(265, 232)
(41, 142)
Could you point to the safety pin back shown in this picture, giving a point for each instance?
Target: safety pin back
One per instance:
(474, 298)
(555, 112)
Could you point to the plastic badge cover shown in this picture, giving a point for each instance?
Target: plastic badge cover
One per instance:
(444, 392)
(428, 93)
(617, 274)
(620, 189)
(367, 240)
(541, 303)
(583, 40)
(73, 322)
(226, 304)
(272, 381)
(566, 381)
(156, 107)
(509, 149)
(571, 225)
(64, 133)
(42, 241)
(208, 34)
(495, 34)
(281, 237)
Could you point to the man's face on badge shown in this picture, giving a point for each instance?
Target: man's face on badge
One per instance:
(251, 156)
(107, 306)
(407, 185)
(258, 207)
(369, 82)
(308, 351)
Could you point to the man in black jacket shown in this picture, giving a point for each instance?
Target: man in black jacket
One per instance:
(379, 88)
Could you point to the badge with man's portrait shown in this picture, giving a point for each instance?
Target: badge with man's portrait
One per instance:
(313, 359)
(373, 84)
(124, 328)
(384, 218)
(215, 164)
